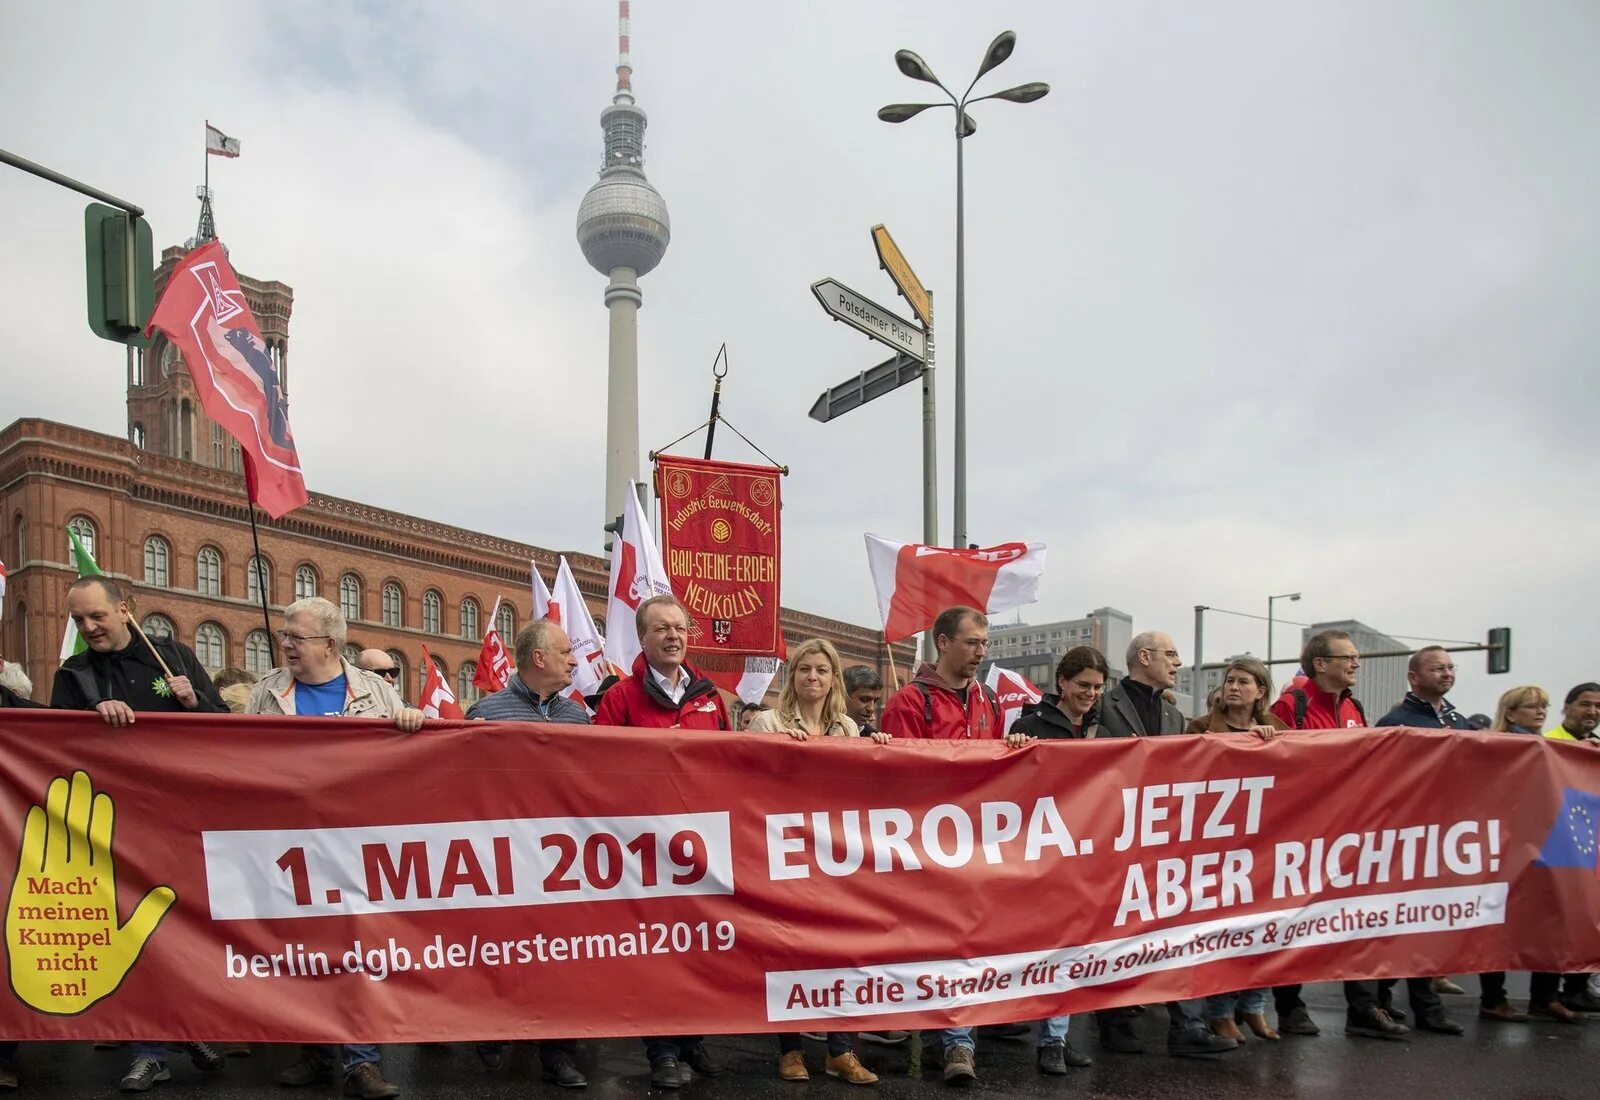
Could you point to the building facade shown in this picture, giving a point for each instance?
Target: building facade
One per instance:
(1033, 651)
(1382, 681)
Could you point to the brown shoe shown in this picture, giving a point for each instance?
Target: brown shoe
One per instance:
(1257, 1022)
(848, 1068)
(1447, 987)
(1556, 1011)
(1504, 1013)
(367, 1083)
(1226, 1028)
(792, 1066)
(306, 1070)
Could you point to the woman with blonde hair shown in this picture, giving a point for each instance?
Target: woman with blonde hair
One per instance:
(1521, 710)
(812, 704)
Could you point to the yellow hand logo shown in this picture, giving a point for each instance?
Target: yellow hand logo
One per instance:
(65, 947)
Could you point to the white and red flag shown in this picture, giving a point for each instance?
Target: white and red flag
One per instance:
(494, 664)
(436, 700)
(636, 575)
(544, 604)
(203, 313)
(1014, 692)
(916, 582)
(587, 644)
(2, 589)
(219, 144)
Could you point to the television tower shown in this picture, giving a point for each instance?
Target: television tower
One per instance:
(623, 231)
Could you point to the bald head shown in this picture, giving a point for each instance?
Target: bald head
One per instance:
(376, 660)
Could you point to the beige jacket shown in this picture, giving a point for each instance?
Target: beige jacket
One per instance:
(770, 721)
(367, 695)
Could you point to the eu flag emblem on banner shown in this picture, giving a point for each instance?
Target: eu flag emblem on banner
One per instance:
(1574, 839)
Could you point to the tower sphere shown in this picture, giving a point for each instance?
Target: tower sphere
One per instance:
(622, 222)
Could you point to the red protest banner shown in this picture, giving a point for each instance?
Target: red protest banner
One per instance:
(348, 882)
(720, 542)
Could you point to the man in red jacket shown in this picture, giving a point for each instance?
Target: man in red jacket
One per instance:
(1324, 701)
(665, 693)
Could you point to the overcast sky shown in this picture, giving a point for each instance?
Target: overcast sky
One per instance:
(1263, 297)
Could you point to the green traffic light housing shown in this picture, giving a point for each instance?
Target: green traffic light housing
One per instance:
(119, 265)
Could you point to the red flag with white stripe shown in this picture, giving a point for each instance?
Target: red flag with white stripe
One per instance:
(437, 700)
(916, 582)
(494, 663)
(1014, 692)
(544, 605)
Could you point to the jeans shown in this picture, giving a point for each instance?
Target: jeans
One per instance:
(956, 1037)
(669, 1046)
(1053, 1031)
(351, 1055)
(1252, 1002)
(158, 1051)
(1186, 1016)
(839, 1042)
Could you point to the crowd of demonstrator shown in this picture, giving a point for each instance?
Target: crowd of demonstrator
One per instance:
(123, 673)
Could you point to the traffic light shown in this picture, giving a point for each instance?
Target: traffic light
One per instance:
(119, 261)
(612, 528)
(1500, 650)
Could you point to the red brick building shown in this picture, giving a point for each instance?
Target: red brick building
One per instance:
(164, 511)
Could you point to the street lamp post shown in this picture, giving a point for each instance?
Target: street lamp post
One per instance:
(1291, 597)
(917, 69)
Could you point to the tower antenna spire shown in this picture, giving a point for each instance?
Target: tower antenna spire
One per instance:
(624, 62)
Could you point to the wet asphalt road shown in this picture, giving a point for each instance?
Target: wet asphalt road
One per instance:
(1506, 1061)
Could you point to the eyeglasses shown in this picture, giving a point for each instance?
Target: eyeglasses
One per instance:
(388, 673)
(1169, 654)
(288, 637)
(1341, 657)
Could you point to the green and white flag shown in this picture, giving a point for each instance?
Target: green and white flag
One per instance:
(70, 642)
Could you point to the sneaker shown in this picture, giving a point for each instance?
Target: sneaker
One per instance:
(1502, 1012)
(848, 1068)
(1447, 987)
(1198, 1043)
(1053, 1061)
(1119, 1037)
(1374, 1023)
(665, 1073)
(1074, 1058)
(886, 1038)
(308, 1069)
(366, 1082)
(792, 1066)
(206, 1058)
(144, 1075)
(1438, 1023)
(1298, 1022)
(699, 1059)
(959, 1067)
(564, 1072)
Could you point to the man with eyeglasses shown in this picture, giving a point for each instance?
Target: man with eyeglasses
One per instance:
(376, 660)
(1136, 706)
(945, 701)
(317, 681)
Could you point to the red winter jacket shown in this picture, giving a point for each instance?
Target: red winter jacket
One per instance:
(1323, 711)
(638, 701)
(908, 710)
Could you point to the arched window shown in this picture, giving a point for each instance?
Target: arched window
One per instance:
(305, 582)
(157, 555)
(234, 462)
(600, 625)
(22, 541)
(469, 618)
(393, 604)
(20, 648)
(258, 579)
(158, 626)
(505, 621)
(84, 526)
(350, 597)
(431, 604)
(399, 660)
(208, 571)
(138, 436)
(216, 451)
(257, 653)
(351, 651)
(466, 690)
(211, 646)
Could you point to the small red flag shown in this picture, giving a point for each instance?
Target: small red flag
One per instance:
(437, 700)
(203, 313)
(494, 664)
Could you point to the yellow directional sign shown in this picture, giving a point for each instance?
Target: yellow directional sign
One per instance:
(894, 262)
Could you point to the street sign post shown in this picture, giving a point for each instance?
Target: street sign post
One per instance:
(869, 384)
(892, 260)
(865, 315)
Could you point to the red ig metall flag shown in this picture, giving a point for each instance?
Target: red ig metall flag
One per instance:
(436, 700)
(203, 313)
(494, 663)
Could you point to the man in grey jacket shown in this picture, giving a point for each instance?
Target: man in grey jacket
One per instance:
(538, 693)
(1135, 707)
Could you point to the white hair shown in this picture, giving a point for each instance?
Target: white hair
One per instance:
(327, 616)
(12, 676)
(1142, 641)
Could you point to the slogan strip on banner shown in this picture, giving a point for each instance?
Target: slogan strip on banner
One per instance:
(325, 880)
(721, 542)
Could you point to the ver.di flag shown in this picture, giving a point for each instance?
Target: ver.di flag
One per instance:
(84, 561)
(204, 314)
(1014, 691)
(915, 582)
(494, 664)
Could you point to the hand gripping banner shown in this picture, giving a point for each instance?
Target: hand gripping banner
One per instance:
(321, 880)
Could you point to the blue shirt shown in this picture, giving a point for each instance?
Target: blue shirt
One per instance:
(321, 699)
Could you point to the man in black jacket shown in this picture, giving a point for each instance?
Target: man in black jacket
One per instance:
(118, 676)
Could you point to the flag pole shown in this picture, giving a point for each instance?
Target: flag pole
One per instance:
(261, 578)
(894, 670)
